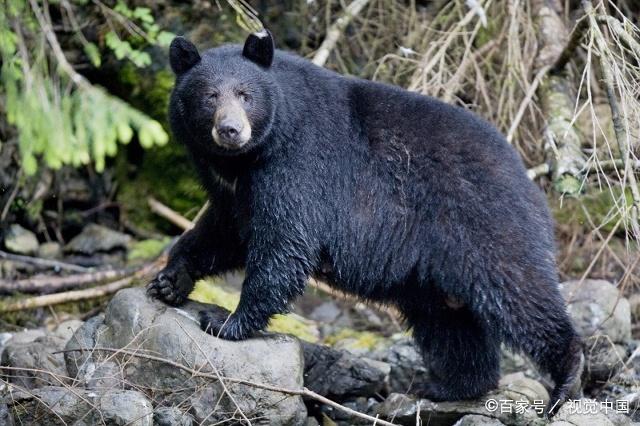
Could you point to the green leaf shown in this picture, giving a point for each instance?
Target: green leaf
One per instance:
(93, 53)
(165, 38)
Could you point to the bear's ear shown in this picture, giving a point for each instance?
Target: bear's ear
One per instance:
(183, 55)
(259, 48)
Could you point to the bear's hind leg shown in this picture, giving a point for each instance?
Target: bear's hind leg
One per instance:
(546, 334)
(464, 357)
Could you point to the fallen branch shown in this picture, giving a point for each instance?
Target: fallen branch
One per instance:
(604, 166)
(90, 293)
(47, 263)
(304, 392)
(563, 142)
(336, 30)
(46, 284)
(169, 214)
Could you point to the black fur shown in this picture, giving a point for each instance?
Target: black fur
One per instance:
(393, 196)
(260, 48)
(182, 55)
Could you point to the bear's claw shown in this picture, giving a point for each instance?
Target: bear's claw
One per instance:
(172, 286)
(221, 323)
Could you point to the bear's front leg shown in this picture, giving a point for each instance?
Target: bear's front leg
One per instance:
(211, 248)
(275, 276)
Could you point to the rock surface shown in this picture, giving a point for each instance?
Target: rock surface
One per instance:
(516, 402)
(171, 416)
(20, 240)
(598, 308)
(137, 323)
(588, 412)
(339, 374)
(96, 238)
(33, 352)
(52, 405)
(407, 365)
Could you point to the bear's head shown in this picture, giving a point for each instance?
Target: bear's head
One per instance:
(224, 99)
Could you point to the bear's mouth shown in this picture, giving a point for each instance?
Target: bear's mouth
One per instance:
(231, 127)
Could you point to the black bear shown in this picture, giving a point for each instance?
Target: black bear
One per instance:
(389, 195)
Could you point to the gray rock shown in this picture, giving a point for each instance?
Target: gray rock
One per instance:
(477, 420)
(588, 412)
(6, 418)
(171, 416)
(4, 338)
(137, 323)
(96, 238)
(598, 308)
(407, 365)
(603, 360)
(311, 421)
(339, 375)
(34, 351)
(326, 312)
(50, 250)
(516, 402)
(126, 407)
(51, 405)
(20, 240)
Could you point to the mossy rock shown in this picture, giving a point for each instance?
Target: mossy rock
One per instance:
(597, 207)
(213, 291)
(146, 249)
(355, 341)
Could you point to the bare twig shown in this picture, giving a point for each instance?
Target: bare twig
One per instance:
(48, 284)
(169, 214)
(304, 392)
(64, 65)
(47, 263)
(336, 30)
(90, 293)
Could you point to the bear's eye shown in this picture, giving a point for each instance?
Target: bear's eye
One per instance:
(244, 96)
(213, 96)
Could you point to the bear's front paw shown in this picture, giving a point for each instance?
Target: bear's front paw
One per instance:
(221, 323)
(172, 285)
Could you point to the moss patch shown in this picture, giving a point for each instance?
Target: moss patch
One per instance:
(147, 249)
(348, 338)
(212, 291)
(602, 208)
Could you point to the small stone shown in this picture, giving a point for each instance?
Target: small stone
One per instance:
(171, 416)
(37, 351)
(53, 405)
(126, 407)
(476, 420)
(326, 312)
(339, 375)
(598, 308)
(407, 365)
(20, 240)
(50, 250)
(603, 360)
(97, 238)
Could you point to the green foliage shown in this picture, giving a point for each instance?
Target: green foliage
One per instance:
(62, 119)
(213, 291)
(147, 249)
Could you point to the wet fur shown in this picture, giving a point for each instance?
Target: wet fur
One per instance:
(392, 196)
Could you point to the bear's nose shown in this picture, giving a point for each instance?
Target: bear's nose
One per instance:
(229, 129)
